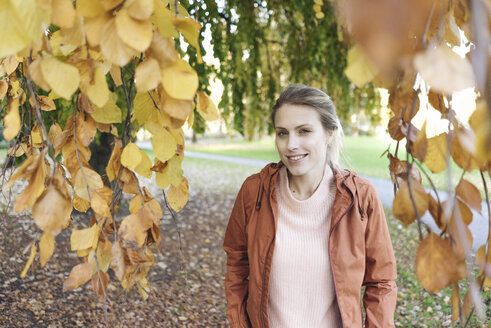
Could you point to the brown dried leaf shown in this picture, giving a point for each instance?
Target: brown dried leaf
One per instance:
(436, 212)
(112, 168)
(133, 229)
(80, 274)
(46, 247)
(435, 263)
(421, 145)
(52, 210)
(403, 207)
(469, 193)
(437, 101)
(455, 302)
(100, 289)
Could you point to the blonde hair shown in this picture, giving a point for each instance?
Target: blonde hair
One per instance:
(300, 94)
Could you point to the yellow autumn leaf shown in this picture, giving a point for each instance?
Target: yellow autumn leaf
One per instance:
(162, 179)
(206, 107)
(46, 247)
(80, 274)
(80, 204)
(85, 238)
(435, 263)
(162, 18)
(110, 4)
(444, 70)
(164, 50)
(114, 163)
(104, 254)
(402, 205)
(100, 205)
(89, 8)
(131, 156)
(178, 196)
(98, 92)
(147, 75)
(135, 33)
(436, 153)
(36, 74)
(63, 78)
(84, 177)
(164, 145)
(174, 171)
(12, 120)
(3, 88)
(29, 261)
(109, 113)
(144, 107)
(359, 68)
(480, 122)
(94, 26)
(52, 210)
(180, 81)
(63, 13)
(21, 22)
(115, 73)
(113, 48)
(176, 108)
(190, 30)
(74, 35)
(140, 9)
(143, 168)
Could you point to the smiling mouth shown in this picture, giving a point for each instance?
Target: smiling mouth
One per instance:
(296, 157)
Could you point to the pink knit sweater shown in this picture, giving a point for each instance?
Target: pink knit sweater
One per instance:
(302, 292)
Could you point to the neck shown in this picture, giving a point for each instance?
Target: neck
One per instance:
(302, 187)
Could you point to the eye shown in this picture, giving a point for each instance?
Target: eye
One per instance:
(304, 131)
(281, 133)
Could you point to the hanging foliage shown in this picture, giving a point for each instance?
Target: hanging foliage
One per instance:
(70, 70)
(397, 45)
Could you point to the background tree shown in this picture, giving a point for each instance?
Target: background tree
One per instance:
(264, 45)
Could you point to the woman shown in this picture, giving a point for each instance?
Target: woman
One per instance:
(304, 236)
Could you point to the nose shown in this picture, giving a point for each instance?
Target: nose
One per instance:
(292, 142)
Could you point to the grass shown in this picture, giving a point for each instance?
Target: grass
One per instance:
(362, 154)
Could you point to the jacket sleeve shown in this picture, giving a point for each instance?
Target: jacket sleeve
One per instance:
(237, 276)
(380, 295)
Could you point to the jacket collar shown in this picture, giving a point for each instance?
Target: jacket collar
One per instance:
(269, 176)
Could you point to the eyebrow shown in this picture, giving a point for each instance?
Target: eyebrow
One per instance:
(306, 125)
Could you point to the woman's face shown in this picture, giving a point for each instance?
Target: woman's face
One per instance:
(301, 139)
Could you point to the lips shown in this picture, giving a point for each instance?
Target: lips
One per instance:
(296, 157)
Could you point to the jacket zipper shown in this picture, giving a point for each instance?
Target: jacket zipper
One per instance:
(264, 284)
(329, 251)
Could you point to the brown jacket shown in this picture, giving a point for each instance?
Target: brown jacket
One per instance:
(359, 246)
